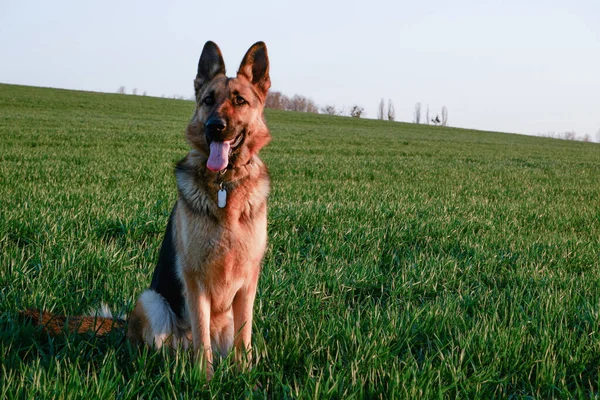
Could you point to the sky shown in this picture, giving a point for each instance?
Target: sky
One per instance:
(527, 66)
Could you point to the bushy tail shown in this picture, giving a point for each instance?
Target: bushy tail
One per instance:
(101, 323)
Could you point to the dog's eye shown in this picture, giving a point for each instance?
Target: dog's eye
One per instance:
(239, 100)
(208, 100)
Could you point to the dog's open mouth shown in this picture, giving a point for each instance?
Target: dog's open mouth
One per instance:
(218, 159)
(238, 141)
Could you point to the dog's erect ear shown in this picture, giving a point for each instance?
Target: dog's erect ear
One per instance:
(255, 67)
(210, 65)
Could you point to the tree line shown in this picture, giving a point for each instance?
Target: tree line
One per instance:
(570, 135)
(443, 121)
(279, 101)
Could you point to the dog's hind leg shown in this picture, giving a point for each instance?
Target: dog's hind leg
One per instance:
(152, 321)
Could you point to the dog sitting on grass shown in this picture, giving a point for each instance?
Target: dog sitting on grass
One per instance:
(204, 284)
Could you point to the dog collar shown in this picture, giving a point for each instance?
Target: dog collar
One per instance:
(228, 176)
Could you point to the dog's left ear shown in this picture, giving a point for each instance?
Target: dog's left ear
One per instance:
(255, 67)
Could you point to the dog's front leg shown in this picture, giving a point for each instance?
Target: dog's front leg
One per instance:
(198, 303)
(243, 304)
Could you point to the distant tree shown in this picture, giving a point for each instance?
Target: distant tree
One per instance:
(121, 90)
(587, 138)
(444, 116)
(356, 111)
(571, 135)
(381, 109)
(286, 102)
(298, 103)
(598, 135)
(279, 101)
(144, 94)
(134, 91)
(391, 114)
(427, 115)
(548, 135)
(330, 110)
(276, 100)
(311, 107)
(417, 114)
(272, 100)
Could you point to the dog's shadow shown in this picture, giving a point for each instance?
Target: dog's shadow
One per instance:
(28, 346)
(29, 342)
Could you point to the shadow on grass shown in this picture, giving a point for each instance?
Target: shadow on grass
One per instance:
(27, 352)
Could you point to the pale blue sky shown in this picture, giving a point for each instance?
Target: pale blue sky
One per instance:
(515, 66)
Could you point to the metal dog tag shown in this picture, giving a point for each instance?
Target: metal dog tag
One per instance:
(222, 198)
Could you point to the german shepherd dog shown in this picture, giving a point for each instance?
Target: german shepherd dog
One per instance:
(204, 284)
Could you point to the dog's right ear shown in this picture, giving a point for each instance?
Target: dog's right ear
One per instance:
(210, 65)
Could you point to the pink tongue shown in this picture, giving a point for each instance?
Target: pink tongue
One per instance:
(219, 156)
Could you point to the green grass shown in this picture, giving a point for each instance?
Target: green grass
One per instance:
(404, 261)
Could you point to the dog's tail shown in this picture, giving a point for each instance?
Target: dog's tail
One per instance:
(100, 323)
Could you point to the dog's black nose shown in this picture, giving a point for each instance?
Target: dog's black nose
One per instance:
(215, 126)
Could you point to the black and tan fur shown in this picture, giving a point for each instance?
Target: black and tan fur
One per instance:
(204, 285)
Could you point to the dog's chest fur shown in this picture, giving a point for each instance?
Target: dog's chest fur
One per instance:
(222, 248)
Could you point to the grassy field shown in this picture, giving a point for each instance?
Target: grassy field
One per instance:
(404, 261)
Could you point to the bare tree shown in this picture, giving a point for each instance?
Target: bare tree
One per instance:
(444, 116)
(311, 107)
(598, 135)
(275, 100)
(286, 102)
(417, 114)
(587, 138)
(569, 135)
(356, 111)
(299, 103)
(134, 91)
(121, 90)
(330, 110)
(427, 115)
(280, 101)
(381, 109)
(144, 94)
(391, 115)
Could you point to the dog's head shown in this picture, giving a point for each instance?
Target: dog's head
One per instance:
(228, 126)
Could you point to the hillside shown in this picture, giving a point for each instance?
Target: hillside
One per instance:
(403, 259)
